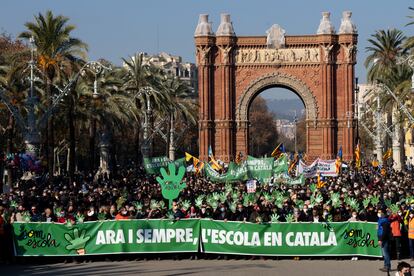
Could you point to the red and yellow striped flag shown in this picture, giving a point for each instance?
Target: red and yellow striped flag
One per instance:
(358, 156)
(387, 155)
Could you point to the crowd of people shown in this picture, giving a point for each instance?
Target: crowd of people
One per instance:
(355, 195)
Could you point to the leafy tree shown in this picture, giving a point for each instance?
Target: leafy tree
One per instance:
(386, 46)
(181, 106)
(138, 75)
(263, 134)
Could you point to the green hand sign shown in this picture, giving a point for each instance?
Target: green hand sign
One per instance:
(171, 184)
(77, 241)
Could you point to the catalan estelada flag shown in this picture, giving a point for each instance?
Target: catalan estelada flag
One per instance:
(213, 162)
(278, 151)
(320, 182)
(293, 162)
(358, 156)
(338, 161)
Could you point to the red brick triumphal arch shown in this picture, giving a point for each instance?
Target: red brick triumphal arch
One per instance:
(234, 69)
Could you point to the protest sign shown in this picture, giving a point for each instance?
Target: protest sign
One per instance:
(153, 165)
(324, 167)
(251, 186)
(260, 169)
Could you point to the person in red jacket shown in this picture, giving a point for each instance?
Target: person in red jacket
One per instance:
(122, 214)
(396, 220)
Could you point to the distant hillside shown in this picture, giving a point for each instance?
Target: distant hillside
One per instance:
(284, 108)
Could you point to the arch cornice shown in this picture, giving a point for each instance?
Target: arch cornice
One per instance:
(276, 79)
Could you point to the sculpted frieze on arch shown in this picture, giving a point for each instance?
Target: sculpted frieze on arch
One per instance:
(277, 56)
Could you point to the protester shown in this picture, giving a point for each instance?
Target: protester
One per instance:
(411, 234)
(403, 269)
(396, 221)
(384, 235)
(355, 195)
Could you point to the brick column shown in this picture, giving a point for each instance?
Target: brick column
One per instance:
(348, 49)
(205, 48)
(327, 119)
(225, 91)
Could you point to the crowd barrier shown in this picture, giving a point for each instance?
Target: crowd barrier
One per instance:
(196, 235)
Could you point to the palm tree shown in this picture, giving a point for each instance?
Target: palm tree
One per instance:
(56, 48)
(383, 66)
(114, 109)
(385, 47)
(409, 44)
(138, 75)
(180, 106)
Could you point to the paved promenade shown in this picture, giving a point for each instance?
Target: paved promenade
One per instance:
(204, 267)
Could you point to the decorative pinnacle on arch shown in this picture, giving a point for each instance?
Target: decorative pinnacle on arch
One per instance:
(347, 26)
(326, 27)
(226, 26)
(204, 27)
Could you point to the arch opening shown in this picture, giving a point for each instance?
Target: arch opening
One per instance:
(276, 80)
(276, 114)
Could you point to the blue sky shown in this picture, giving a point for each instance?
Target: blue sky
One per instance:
(115, 29)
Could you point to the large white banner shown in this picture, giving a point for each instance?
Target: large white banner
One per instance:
(325, 167)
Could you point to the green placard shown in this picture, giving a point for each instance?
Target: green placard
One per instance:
(260, 169)
(153, 165)
(156, 236)
(106, 237)
(290, 239)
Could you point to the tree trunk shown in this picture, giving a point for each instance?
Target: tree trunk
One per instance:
(50, 133)
(92, 136)
(72, 141)
(138, 159)
(113, 159)
(104, 150)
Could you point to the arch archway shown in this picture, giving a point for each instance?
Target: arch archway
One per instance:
(233, 69)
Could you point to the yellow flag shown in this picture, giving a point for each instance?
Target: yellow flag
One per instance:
(188, 156)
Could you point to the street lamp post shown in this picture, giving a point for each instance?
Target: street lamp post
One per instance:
(378, 144)
(96, 69)
(146, 147)
(356, 111)
(31, 126)
(295, 120)
(32, 135)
